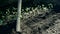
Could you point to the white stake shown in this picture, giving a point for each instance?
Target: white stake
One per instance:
(18, 27)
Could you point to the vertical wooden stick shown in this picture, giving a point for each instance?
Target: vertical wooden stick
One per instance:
(18, 27)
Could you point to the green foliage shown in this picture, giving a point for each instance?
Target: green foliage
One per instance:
(8, 14)
(1, 22)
